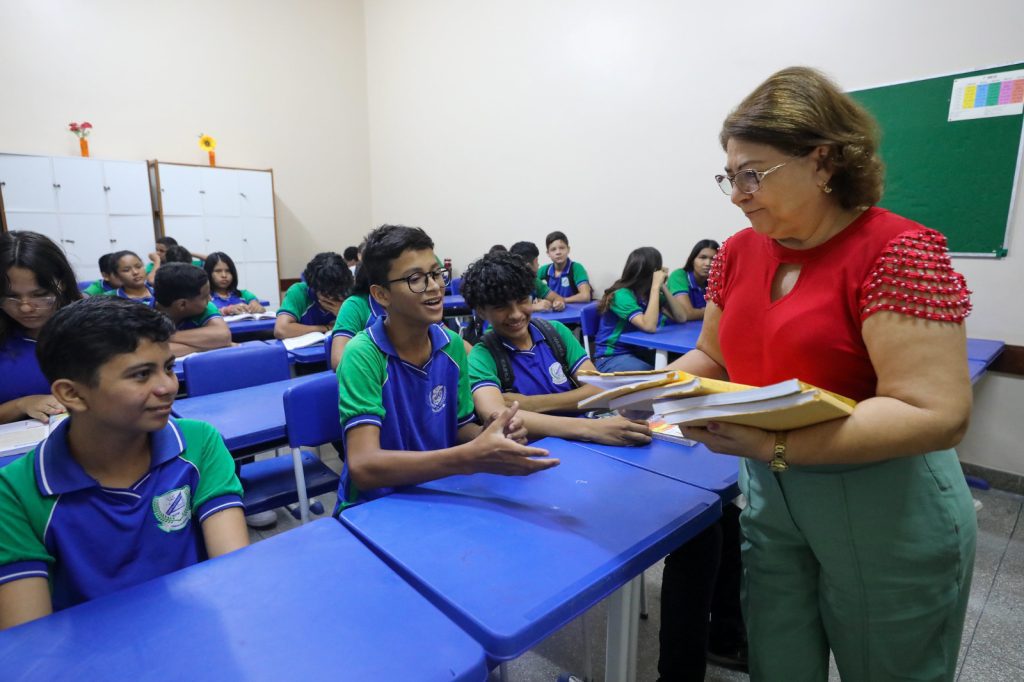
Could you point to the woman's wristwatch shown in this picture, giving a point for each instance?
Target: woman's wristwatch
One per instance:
(778, 463)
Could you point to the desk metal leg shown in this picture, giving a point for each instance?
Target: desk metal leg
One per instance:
(660, 359)
(300, 484)
(623, 633)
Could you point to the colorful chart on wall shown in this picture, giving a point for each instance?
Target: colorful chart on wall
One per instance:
(952, 150)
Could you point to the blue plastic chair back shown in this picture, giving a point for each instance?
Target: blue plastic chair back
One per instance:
(588, 324)
(311, 412)
(227, 369)
(456, 286)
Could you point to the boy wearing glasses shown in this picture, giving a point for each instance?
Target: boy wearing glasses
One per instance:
(312, 304)
(404, 400)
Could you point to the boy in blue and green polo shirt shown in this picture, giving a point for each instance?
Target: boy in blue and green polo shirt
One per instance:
(543, 297)
(359, 311)
(564, 276)
(404, 400)
(182, 293)
(118, 493)
(542, 357)
(312, 304)
(107, 282)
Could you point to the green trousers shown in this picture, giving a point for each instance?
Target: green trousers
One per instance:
(873, 562)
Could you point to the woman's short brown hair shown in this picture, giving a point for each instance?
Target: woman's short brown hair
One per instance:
(798, 109)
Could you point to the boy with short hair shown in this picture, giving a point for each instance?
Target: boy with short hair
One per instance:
(565, 277)
(118, 493)
(182, 293)
(542, 357)
(404, 399)
(108, 281)
(351, 256)
(312, 305)
(164, 246)
(358, 312)
(543, 297)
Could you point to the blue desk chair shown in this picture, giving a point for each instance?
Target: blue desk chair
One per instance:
(456, 286)
(228, 369)
(311, 420)
(588, 325)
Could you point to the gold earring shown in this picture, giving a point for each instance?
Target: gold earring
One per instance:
(825, 188)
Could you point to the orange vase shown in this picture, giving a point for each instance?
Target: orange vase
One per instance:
(83, 144)
(213, 158)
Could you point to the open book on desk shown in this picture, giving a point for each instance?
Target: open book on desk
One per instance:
(783, 406)
(310, 339)
(265, 315)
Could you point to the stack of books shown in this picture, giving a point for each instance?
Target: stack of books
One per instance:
(684, 399)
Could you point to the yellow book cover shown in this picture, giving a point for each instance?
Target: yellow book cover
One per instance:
(793, 411)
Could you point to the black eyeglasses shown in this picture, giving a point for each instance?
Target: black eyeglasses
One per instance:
(418, 280)
(749, 180)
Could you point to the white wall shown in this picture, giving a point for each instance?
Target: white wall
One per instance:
(498, 121)
(279, 85)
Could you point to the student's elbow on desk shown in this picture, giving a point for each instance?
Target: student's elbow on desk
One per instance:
(281, 327)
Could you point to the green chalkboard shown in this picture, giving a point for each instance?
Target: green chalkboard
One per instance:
(957, 177)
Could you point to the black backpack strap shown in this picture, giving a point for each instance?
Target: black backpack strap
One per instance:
(572, 277)
(557, 346)
(502, 364)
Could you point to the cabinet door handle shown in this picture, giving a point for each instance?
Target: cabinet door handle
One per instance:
(202, 191)
(242, 194)
(106, 188)
(56, 185)
(113, 241)
(2, 183)
(69, 241)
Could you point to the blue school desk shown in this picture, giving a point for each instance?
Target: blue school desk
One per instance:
(571, 314)
(513, 559)
(246, 327)
(675, 338)
(695, 464)
(305, 356)
(455, 305)
(254, 615)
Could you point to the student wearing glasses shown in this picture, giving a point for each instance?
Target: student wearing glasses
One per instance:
(37, 281)
(403, 384)
(859, 533)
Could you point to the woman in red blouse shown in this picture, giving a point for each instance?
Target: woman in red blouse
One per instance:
(859, 534)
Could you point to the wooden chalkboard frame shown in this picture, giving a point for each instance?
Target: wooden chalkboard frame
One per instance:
(958, 177)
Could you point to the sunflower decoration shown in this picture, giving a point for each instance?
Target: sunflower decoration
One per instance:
(208, 144)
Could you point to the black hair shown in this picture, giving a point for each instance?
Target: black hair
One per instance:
(167, 241)
(106, 265)
(176, 281)
(361, 283)
(636, 275)
(116, 257)
(554, 237)
(84, 336)
(697, 248)
(498, 248)
(387, 243)
(211, 263)
(46, 260)
(177, 254)
(328, 274)
(525, 250)
(496, 279)
(351, 253)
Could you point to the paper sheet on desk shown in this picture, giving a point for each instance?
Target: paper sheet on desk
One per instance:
(310, 339)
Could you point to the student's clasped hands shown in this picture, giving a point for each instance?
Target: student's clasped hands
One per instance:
(499, 448)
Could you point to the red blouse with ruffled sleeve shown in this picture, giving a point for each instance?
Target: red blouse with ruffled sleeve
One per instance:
(880, 262)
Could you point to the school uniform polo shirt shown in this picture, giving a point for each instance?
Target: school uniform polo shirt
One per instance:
(356, 314)
(416, 408)
(622, 308)
(540, 288)
(561, 284)
(97, 288)
(195, 261)
(243, 296)
(300, 304)
(87, 540)
(19, 369)
(200, 320)
(149, 299)
(535, 371)
(683, 282)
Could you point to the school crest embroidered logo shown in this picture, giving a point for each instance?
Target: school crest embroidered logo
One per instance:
(437, 398)
(173, 509)
(565, 282)
(557, 373)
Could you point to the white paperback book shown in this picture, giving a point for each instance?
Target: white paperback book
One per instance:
(310, 339)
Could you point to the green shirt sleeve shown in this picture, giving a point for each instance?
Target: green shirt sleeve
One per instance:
(353, 316)
(457, 351)
(361, 375)
(579, 274)
(541, 288)
(24, 512)
(94, 289)
(248, 296)
(482, 369)
(207, 452)
(624, 304)
(678, 282)
(574, 352)
(149, 267)
(207, 315)
(296, 301)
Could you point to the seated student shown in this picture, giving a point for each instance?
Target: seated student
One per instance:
(224, 290)
(564, 276)
(312, 305)
(107, 282)
(130, 272)
(404, 398)
(542, 357)
(359, 311)
(172, 254)
(156, 257)
(687, 284)
(639, 298)
(35, 281)
(351, 256)
(543, 297)
(182, 293)
(118, 493)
